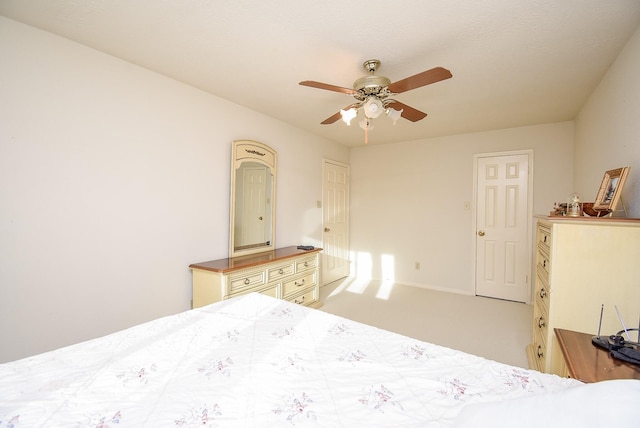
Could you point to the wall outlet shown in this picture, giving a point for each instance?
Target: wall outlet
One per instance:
(417, 265)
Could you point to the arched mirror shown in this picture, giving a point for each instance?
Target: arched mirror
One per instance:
(253, 191)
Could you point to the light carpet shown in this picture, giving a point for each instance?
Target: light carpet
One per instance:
(495, 329)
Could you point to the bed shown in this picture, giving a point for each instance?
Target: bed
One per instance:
(255, 361)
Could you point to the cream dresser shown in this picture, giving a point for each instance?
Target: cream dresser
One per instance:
(581, 264)
(286, 273)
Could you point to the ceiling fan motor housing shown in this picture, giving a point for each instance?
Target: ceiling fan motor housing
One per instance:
(371, 85)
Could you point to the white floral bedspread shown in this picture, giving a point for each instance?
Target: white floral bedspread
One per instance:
(255, 361)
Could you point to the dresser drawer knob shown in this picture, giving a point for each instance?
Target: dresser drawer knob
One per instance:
(299, 284)
(306, 264)
(246, 281)
(540, 353)
(281, 271)
(544, 263)
(540, 322)
(543, 293)
(299, 301)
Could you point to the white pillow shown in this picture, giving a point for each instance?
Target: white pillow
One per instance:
(611, 403)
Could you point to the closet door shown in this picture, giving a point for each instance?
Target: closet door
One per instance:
(335, 221)
(502, 227)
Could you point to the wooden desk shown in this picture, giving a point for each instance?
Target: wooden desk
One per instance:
(589, 363)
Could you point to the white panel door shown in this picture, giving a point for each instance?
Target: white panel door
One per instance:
(254, 203)
(335, 219)
(502, 227)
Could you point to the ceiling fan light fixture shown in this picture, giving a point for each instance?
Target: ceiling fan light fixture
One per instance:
(348, 115)
(373, 107)
(366, 124)
(394, 114)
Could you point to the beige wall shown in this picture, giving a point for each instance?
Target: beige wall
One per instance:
(407, 201)
(113, 179)
(608, 129)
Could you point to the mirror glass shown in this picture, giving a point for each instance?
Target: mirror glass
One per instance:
(252, 216)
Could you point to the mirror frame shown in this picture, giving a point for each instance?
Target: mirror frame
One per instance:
(251, 151)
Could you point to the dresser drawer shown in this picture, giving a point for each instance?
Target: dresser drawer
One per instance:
(300, 283)
(542, 276)
(279, 272)
(536, 353)
(542, 298)
(247, 279)
(308, 263)
(308, 297)
(540, 323)
(544, 263)
(544, 238)
(270, 290)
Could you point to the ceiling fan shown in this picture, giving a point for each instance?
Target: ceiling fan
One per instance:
(372, 94)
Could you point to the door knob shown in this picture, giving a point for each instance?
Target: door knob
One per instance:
(326, 229)
(481, 233)
(260, 218)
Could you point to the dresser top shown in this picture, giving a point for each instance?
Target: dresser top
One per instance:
(237, 263)
(590, 220)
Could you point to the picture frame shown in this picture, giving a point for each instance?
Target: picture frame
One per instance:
(611, 189)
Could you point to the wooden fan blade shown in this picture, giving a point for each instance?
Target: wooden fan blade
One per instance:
(408, 113)
(421, 79)
(335, 117)
(331, 119)
(328, 87)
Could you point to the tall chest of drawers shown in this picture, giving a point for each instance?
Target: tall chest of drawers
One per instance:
(581, 265)
(286, 273)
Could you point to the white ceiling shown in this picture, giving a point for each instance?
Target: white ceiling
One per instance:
(514, 62)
